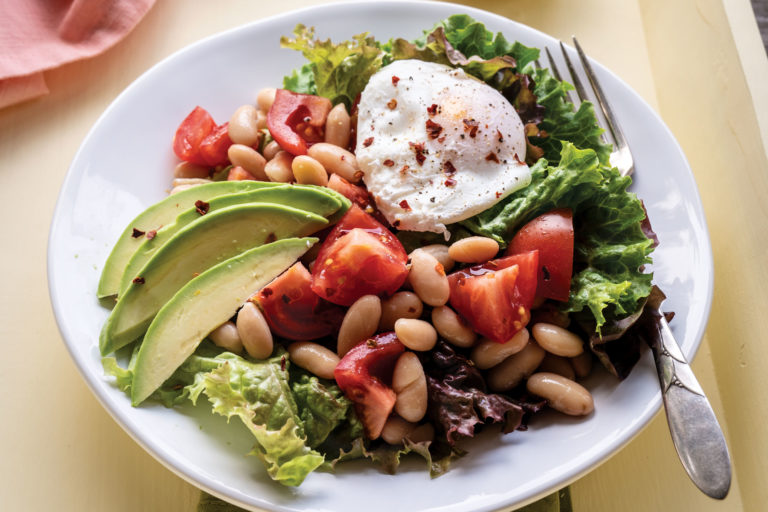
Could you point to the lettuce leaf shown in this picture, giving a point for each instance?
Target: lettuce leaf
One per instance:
(339, 72)
(288, 412)
(611, 246)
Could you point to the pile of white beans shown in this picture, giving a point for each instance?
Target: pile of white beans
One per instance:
(548, 358)
(246, 129)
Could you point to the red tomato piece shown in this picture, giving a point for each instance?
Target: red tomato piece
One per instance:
(237, 173)
(496, 297)
(552, 235)
(296, 120)
(354, 193)
(294, 311)
(358, 257)
(191, 133)
(213, 148)
(364, 374)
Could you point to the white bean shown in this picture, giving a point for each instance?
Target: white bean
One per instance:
(428, 278)
(440, 252)
(488, 353)
(416, 334)
(249, 159)
(561, 394)
(452, 327)
(279, 168)
(557, 340)
(242, 128)
(410, 384)
(271, 149)
(582, 364)
(337, 126)
(336, 160)
(309, 171)
(190, 170)
(225, 336)
(474, 249)
(265, 98)
(510, 372)
(314, 358)
(360, 323)
(559, 365)
(399, 305)
(254, 331)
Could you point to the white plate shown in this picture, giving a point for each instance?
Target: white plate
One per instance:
(125, 164)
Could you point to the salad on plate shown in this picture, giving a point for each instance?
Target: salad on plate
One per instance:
(407, 242)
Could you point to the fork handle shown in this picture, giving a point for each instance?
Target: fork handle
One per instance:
(696, 434)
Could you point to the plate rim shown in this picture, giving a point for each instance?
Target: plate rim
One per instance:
(166, 459)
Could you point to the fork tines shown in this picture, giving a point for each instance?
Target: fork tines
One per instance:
(621, 156)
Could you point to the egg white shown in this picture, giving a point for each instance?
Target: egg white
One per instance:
(470, 140)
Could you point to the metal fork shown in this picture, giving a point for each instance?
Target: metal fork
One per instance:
(696, 434)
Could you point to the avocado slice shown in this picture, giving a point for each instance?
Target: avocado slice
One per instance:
(319, 200)
(204, 303)
(160, 214)
(211, 239)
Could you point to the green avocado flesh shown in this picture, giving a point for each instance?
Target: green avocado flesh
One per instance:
(321, 201)
(203, 304)
(158, 215)
(211, 239)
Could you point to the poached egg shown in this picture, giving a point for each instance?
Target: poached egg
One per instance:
(437, 146)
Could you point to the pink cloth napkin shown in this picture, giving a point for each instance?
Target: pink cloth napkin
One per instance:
(36, 35)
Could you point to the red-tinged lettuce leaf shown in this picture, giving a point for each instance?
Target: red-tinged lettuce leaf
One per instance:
(388, 456)
(621, 342)
(458, 397)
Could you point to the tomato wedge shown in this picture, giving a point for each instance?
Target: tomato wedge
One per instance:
(191, 133)
(213, 148)
(364, 374)
(358, 257)
(496, 297)
(552, 235)
(296, 120)
(294, 311)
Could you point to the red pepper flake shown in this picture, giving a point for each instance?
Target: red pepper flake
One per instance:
(270, 238)
(151, 234)
(439, 268)
(404, 205)
(404, 169)
(202, 207)
(392, 104)
(419, 150)
(139, 280)
(498, 195)
(500, 136)
(491, 157)
(433, 129)
(282, 364)
(470, 125)
(137, 233)
(388, 162)
(367, 142)
(517, 159)
(450, 182)
(448, 168)
(432, 109)
(395, 80)
(266, 292)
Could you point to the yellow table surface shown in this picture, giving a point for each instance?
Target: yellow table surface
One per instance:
(698, 63)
